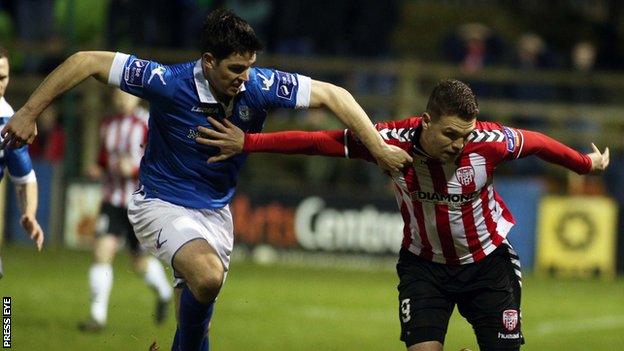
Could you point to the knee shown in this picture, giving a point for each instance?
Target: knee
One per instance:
(206, 285)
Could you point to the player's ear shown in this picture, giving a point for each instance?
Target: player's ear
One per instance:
(426, 120)
(209, 60)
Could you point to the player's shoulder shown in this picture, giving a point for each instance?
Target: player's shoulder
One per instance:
(487, 132)
(400, 131)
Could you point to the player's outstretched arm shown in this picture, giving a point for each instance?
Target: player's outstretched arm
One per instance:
(21, 128)
(344, 106)
(27, 198)
(231, 141)
(552, 151)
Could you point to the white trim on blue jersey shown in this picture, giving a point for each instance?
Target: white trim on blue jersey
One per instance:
(304, 91)
(28, 178)
(116, 70)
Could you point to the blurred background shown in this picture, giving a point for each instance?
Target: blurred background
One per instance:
(321, 226)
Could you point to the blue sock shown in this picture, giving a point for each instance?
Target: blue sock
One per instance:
(175, 346)
(193, 325)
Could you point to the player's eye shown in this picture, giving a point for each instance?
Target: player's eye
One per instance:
(238, 69)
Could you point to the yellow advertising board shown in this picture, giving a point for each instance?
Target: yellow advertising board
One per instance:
(576, 236)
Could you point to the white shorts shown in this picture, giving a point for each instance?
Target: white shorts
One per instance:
(163, 228)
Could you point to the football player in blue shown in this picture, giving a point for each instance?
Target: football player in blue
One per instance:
(180, 212)
(17, 161)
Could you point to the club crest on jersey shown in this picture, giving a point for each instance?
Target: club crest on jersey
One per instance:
(286, 83)
(244, 113)
(134, 73)
(510, 319)
(465, 175)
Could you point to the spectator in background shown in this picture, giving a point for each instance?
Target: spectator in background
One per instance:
(50, 142)
(474, 46)
(122, 137)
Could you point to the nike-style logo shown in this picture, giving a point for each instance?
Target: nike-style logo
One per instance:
(158, 242)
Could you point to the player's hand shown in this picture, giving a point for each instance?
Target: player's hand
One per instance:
(225, 136)
(392, 158)
(600, 160)
(32, 227)
(20, 130)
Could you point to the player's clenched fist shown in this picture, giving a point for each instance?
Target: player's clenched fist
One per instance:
(392, 158)
(20, 130)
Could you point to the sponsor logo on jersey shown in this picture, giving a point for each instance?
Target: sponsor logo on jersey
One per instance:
(509, 336)
(134, 73)
(510, 137)
(444, 199)
(158, 72)
(510, 319)
(267, 82)
(465, 175)
(209, 110)
(244, 113)
(286, 83)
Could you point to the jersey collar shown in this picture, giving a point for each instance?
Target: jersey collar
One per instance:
(203, 87)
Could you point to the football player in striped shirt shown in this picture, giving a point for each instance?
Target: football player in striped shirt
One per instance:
(455, 249)
(17, 162)
(122, 138)
(181, 213)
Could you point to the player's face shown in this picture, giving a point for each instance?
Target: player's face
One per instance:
(226, 76)
(445, 137)
(4, 75)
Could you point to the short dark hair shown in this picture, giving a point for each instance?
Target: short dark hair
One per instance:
(224, 33)
(452, 97)
(4, 52)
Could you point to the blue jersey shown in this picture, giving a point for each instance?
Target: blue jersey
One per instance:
(174, 167)
(17, 161)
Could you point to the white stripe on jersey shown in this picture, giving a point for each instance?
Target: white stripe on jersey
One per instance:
(122, 137)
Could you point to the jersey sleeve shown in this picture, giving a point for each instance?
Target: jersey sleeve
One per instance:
(398, 133)
(19, 165)
(146, 79)
(273, 88)
(521, 143)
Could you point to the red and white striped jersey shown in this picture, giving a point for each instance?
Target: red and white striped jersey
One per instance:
(451, 212)
(122, 136)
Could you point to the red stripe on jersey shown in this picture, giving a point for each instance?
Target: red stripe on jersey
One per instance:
(442, 214)
(472, 237)
(411, 180)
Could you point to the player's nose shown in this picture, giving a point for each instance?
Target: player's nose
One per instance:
(245, 75)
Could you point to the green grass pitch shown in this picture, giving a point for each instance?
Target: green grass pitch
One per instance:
(283, 308)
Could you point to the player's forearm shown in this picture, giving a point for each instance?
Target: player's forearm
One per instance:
(70, 73)
(27, 197)
(325, 143)
(555, 152)
(344, 106)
